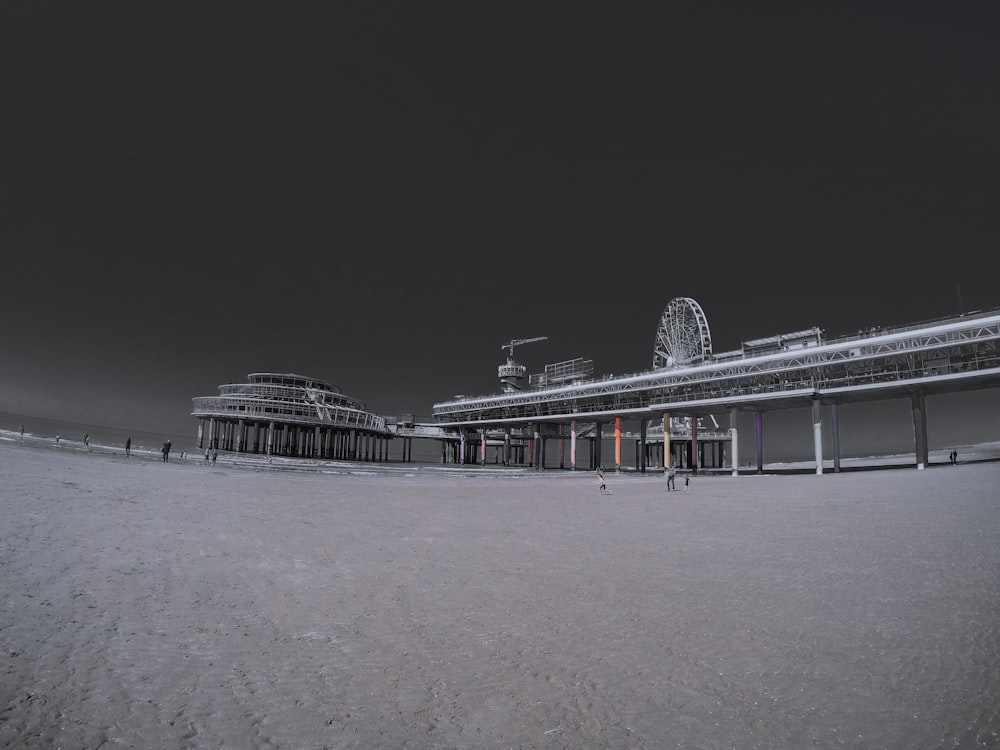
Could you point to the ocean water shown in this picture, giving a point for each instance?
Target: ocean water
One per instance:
(103, 435)
(423, 451)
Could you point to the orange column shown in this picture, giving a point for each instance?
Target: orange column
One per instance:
(618, 444)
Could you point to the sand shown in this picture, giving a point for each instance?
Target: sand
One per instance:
(152, 605)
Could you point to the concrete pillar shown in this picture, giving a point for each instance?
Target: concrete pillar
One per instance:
(817, 415)
(642, 446)
(666, 440)
(572, 445)
(694, 445)
(461, 449)
(598, 441)
(835, 426)
(758, 419)
(618, 445)
(917, 408)
(201, 430)
(482, 447)
(562, 446)
(734, 447)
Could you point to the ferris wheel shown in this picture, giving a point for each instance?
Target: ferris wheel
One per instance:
(683, 337)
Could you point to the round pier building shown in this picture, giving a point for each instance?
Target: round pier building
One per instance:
(289, 415)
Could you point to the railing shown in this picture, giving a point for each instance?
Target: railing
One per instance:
(286, 411)
(963, 348)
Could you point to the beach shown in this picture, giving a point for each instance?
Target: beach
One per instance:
(181, 605)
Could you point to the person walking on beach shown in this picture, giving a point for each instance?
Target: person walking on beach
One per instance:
(86, 440)
(671, 472)
(128, 447)
(602, 484)
(215, 455)
(22, 432)
(166, 451)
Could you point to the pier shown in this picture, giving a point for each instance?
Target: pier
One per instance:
(673, 408)
(795, 370)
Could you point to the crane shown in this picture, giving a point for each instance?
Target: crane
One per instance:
(517, 342)
(512, 374)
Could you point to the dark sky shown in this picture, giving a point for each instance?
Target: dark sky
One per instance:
(383, 194)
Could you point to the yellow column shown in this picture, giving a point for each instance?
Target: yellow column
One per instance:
(666, 440)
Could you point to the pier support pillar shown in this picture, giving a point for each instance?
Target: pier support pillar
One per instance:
(572, 445)
(482, 447)
(835, 426)
(758, 418)
(598, 439)
(694, 445)
(618, 445)
(817, 415)
(917, 408)
(734, 436)
(642, 445)
(666, 440)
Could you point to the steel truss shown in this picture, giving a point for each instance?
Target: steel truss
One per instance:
(955, 354)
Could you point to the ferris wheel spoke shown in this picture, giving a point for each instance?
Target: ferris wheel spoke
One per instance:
(683, 336)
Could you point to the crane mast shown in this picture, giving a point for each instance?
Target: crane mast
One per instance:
(511, 374)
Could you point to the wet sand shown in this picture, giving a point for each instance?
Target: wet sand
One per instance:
(152, 605)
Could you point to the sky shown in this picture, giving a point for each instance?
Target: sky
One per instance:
(381, 195)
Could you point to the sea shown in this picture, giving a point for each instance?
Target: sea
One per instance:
(102, 435)
(113, 437)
